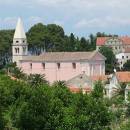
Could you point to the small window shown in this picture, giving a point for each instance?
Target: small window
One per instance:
(16, 50)
(127, 57)
(17, 41)
(74, 65)
(122, 57)
(30, 65)
(58, 65)
(23, 41)
(43, 65)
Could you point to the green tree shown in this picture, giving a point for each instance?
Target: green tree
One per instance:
(126, 66)
(110, 59)
(36, 80)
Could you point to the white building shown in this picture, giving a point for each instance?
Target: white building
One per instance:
(123, 57)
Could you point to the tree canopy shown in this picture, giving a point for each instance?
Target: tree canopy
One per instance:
(126, 66)
(110, 59)
(50, 107)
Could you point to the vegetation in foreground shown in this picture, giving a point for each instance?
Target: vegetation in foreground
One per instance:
(25, 107)
(36, 105)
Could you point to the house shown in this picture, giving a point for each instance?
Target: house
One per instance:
(123, 57)
(84, 83)
(55, 65)
(115, 80)
(118, 44)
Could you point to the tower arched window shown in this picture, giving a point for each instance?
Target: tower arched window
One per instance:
(16, 50)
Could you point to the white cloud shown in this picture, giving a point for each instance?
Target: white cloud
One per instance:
(105, 22)
(7, 22)
(80, 14)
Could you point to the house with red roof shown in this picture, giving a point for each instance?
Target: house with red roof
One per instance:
(84, 83)
(118, 44)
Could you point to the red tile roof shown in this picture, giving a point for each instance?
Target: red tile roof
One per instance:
(126, 40)
(101, 40)
(123, 77)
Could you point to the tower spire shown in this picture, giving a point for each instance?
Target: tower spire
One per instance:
(19, 31)
(20, 46)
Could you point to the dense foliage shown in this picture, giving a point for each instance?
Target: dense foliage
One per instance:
(126, 66)
(110, 59)
(51, 107)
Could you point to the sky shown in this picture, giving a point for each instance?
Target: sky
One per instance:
(80, 17)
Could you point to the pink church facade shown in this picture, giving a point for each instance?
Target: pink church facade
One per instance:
(62, 69)
(56, 65)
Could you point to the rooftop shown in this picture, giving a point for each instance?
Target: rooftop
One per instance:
(123, 77)
(65, 56)
(101, 40)
(19, 31)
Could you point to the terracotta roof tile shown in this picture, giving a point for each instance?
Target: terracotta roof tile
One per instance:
(123, 76)
(126, 40)
(101, 40)
(77, 90)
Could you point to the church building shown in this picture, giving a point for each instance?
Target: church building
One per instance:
(55, 65)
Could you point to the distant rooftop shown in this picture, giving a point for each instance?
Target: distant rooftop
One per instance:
(101, 40)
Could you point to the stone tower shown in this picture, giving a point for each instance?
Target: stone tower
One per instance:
(20, 46)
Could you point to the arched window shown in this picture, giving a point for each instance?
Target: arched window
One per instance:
(16, 50)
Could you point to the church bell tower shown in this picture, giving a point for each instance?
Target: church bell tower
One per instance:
(20, 46)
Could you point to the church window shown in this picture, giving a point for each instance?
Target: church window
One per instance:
(23, 41)
(74, 65)
(30, 65)
(122, 57)
(43, 65)
(16, 50)
(58, 65)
